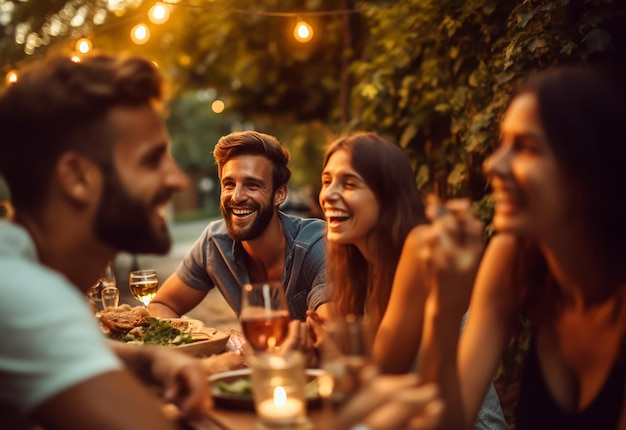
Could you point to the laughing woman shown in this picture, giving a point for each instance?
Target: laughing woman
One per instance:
(371, 202)
(558, 260)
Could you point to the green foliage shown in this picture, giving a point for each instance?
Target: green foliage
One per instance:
(195, 129)
(257, 65)
(433, 75)
(439, 74)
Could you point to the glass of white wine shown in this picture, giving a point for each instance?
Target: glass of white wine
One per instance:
(143, 285)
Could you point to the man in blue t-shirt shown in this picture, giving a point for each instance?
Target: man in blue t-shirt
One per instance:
(254, 242)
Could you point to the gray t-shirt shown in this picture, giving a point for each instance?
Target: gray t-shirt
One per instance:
(215, 260)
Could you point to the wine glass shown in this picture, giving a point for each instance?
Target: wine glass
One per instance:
(143, 285)
(264, 315)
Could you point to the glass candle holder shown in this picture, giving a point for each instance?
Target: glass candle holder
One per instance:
(278, 390)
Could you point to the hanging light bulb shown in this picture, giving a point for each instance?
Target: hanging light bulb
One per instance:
(140, 34)
(83, 45)
(303, 32)
(159, 13)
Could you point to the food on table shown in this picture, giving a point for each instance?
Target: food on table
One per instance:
(239, 387)
(124, 318)
(218, 363)
(242, 387)
(135, 325)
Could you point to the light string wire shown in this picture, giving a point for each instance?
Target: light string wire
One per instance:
(263, 13)
(102, 28)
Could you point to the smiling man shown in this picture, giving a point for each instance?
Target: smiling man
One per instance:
(254, 242)
(86, 156)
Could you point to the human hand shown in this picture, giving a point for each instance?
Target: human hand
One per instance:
(182, 379)
(391, 402)
(451, 250)
(299, 337)
(316, 326)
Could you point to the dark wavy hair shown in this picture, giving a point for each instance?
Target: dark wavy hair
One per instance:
(254, 143)
(357, 286)
(59, 105)
(583, 112)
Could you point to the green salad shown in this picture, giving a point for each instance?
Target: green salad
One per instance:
(157, 332)
(243, 387)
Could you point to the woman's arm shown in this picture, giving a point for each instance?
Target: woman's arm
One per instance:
(465, 369)
(399, 335)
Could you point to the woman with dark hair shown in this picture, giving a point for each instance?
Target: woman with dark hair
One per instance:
(557, 260)
(371, 202)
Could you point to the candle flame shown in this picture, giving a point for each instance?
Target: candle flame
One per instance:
(280, 396)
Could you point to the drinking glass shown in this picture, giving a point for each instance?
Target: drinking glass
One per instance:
(143, 285)
(106, 282)
(109, 294)
(346, 350)
(110, 297)
(264, 315)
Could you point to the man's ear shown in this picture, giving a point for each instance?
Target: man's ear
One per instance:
(280, 195)
(78, 177)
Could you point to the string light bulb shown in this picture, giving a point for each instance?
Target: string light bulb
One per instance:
(140, 34)
(83, 45)
(159, 13)
(303, 32)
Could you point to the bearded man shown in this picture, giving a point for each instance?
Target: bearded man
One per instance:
(255, 241)
(86, 156)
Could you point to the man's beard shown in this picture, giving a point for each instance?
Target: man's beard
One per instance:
(258, 226)
(123, 221)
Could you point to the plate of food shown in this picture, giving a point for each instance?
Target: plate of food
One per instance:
(135, 325)
(233, 389)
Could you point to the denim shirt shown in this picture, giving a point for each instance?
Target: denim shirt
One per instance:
(215, 260)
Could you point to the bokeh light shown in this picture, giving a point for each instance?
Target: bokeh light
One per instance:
(218, 106)
(159, 13)
(12, 77)
(140, 34)
(83, 45)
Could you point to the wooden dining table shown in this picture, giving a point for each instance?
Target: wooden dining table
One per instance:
(228, 419)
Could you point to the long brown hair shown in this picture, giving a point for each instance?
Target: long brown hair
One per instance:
(357, 286)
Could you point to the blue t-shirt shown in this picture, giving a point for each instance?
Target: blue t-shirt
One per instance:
(215, 260)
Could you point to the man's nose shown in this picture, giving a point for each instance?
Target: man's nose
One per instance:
(176, 178)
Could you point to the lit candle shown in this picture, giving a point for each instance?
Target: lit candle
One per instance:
(280, 410)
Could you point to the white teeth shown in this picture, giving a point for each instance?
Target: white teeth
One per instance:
(336, 214)
(241, 212)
